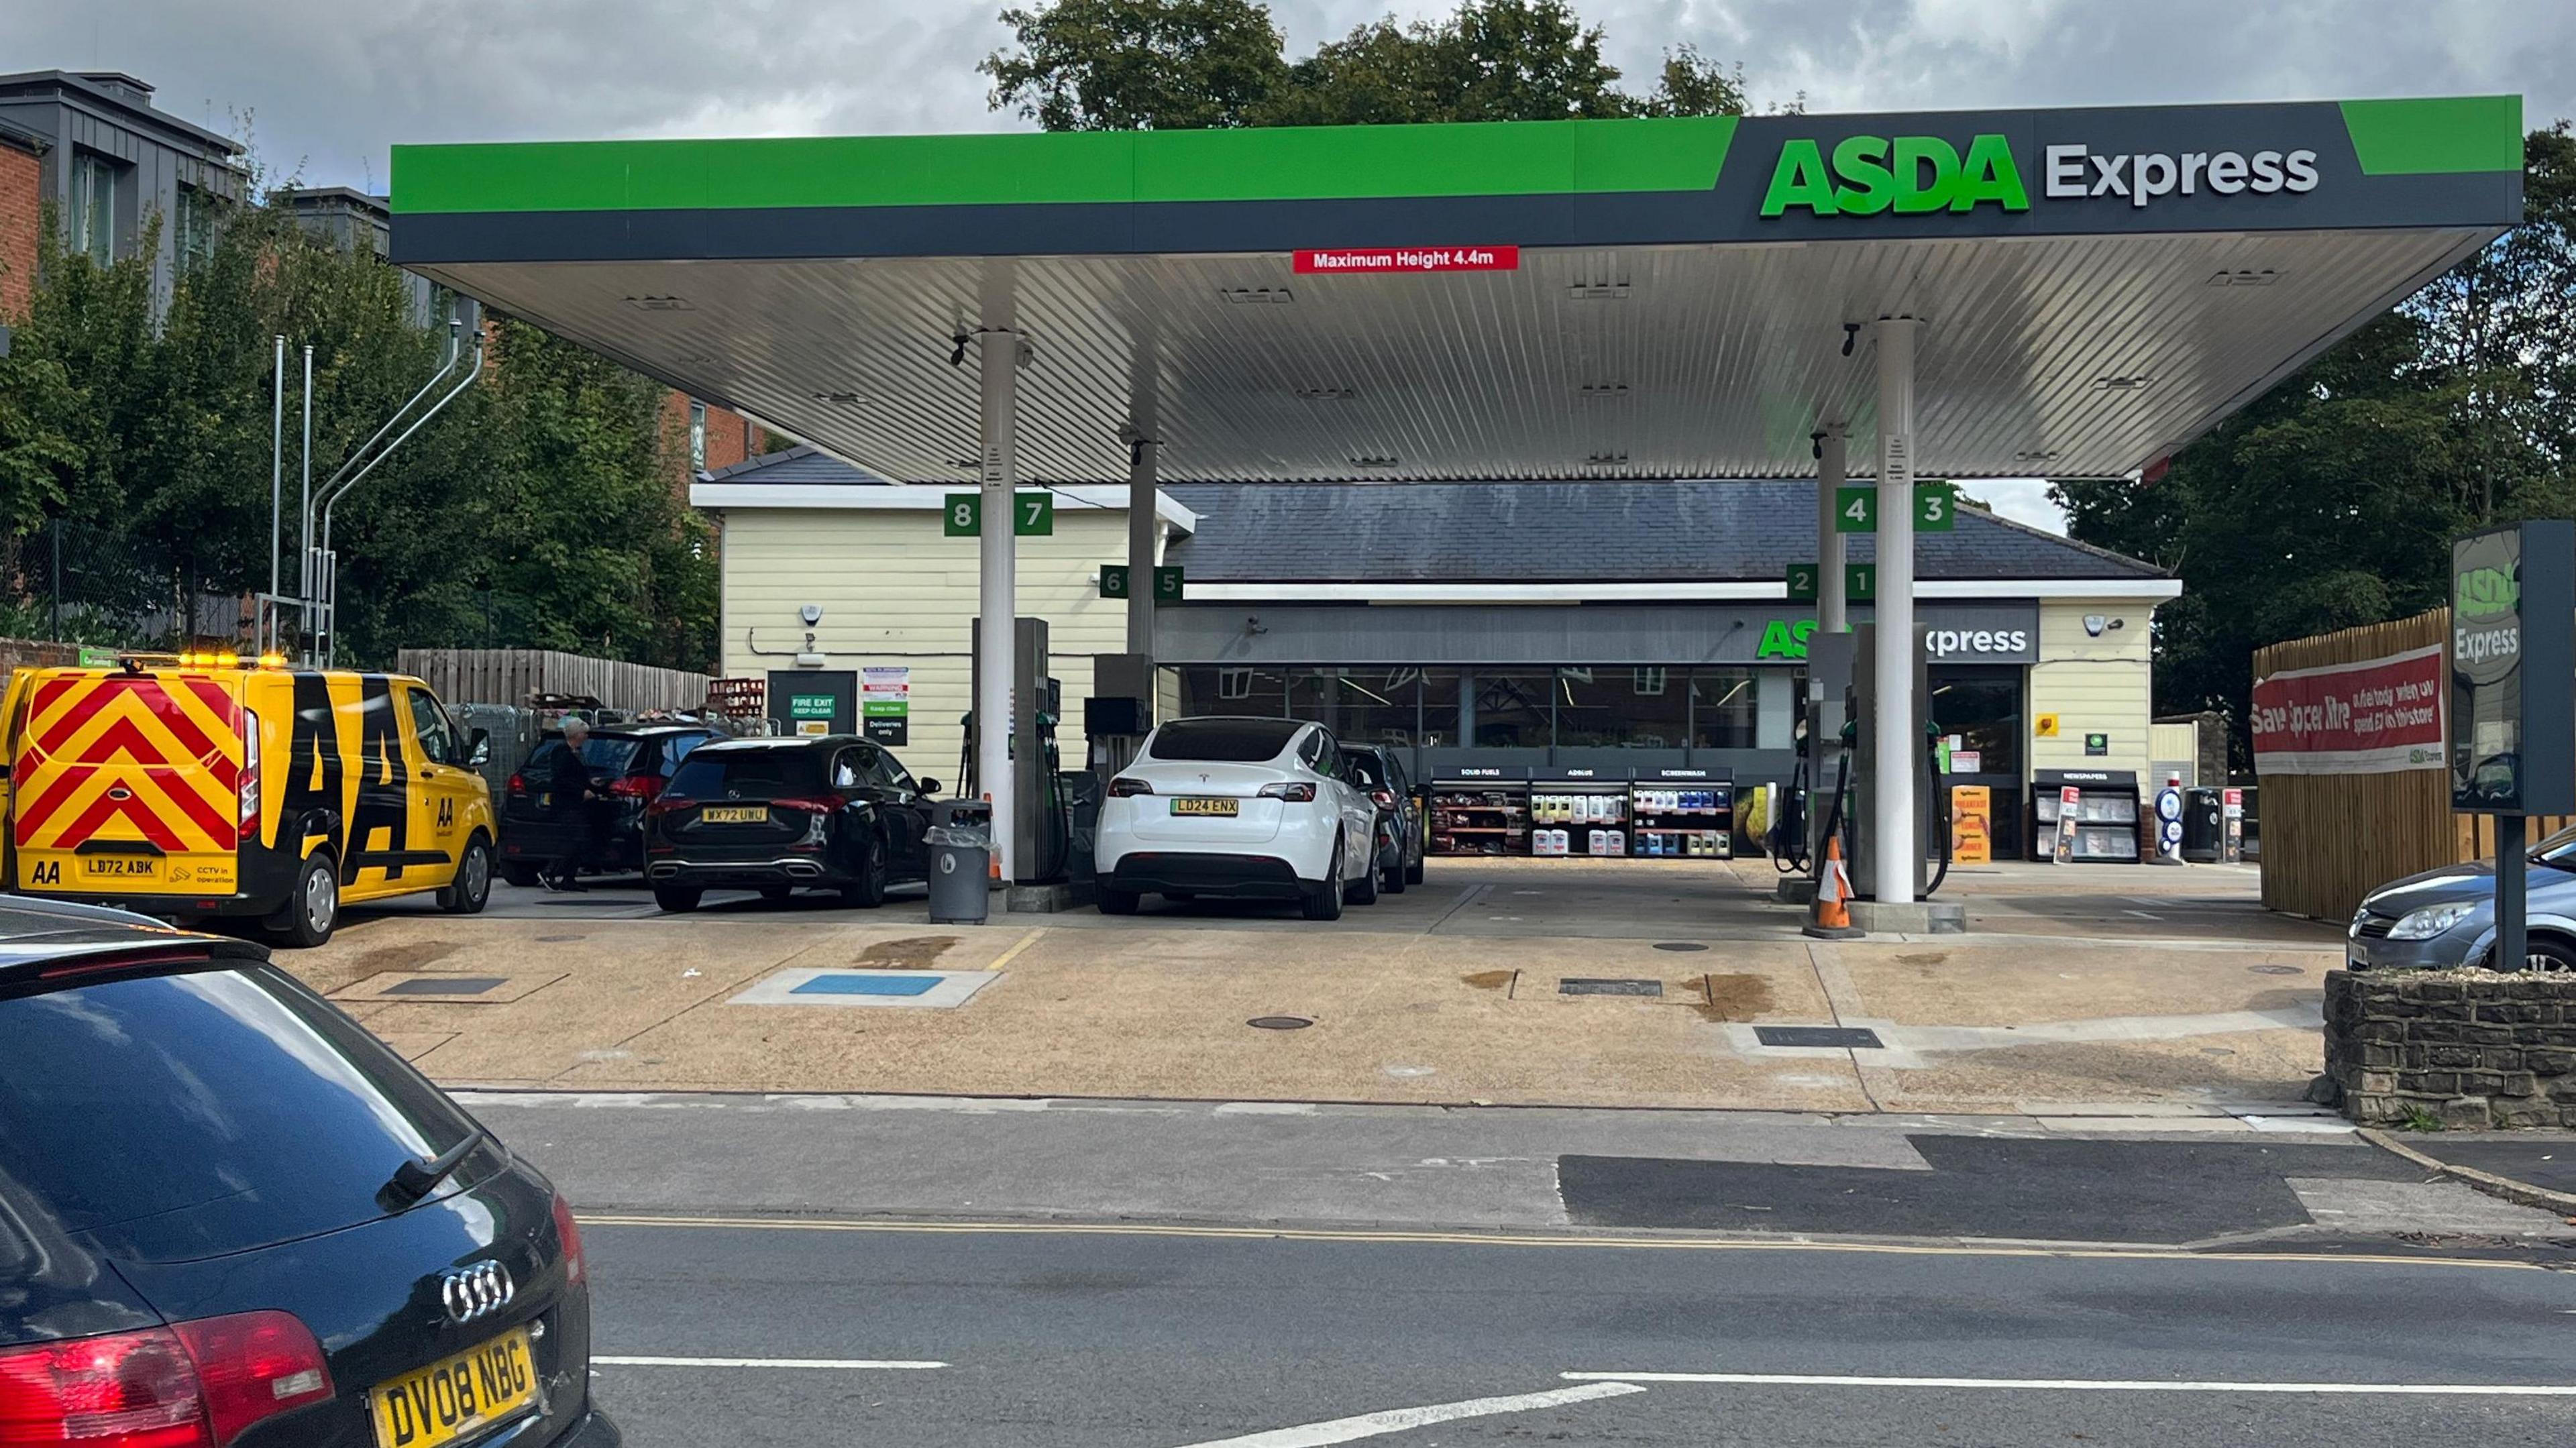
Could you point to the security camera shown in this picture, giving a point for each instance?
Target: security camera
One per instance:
(1254, 625)
(812, 613)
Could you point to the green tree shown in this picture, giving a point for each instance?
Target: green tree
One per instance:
(2330, 501)
(1183, 64)
(1125, 65)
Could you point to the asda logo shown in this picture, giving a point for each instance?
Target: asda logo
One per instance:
(2486, 592)
(1913, 175)
(1908, 175)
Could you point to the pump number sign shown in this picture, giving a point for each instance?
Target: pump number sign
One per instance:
(1936, 508)
(1032, 515)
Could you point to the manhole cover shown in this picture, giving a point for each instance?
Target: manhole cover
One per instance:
(1842, 1037)
(2276, 970)
(1610, 987)
(1279, 1023)
(446, 985)
(1678, 945)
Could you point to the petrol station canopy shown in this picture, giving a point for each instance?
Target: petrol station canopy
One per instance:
(1649, 298)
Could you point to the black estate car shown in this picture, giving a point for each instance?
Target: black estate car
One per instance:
(834, 812)
(1401, 839)
(629, 764)
(230, 1216)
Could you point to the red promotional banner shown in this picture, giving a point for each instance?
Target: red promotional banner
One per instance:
(2375, 717)
(1367, 259)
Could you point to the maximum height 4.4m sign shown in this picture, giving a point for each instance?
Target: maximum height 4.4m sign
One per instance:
(2513, 669)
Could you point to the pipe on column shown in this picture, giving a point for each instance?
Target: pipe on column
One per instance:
(997, 355)
(1144, 530)
(1832, 466)
(1894, 846)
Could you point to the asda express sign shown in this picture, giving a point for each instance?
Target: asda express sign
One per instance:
(2078, 171)
(1996, 634)
(1865, 175)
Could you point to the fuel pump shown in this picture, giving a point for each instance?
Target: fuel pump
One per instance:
(1041, 835)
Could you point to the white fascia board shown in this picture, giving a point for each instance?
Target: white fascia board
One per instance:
(2042, 588)
(918, 497)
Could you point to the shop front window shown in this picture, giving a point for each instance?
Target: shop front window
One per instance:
(1367, 705)
(1641, 711)
(1723, 709)
(1223, 689)
(1506, 708)
(1981, 705)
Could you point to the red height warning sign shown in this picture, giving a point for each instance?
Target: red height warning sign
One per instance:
(1409, 259)
(2374, 717)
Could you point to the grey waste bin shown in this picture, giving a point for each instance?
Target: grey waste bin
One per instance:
(961, 867)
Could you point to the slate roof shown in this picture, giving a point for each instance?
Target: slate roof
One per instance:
(798, 464)
(1731, 531)
(1632, 532)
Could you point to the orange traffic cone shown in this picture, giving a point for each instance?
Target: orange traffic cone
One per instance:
(1832, 920)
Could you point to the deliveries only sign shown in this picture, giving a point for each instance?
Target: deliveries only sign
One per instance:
(1409, 259)
(2375, 717)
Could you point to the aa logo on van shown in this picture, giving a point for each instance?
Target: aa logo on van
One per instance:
(47, 872)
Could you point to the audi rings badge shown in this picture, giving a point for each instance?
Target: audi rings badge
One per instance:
(474, 1292)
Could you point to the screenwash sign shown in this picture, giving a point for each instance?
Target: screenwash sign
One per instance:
(2379, 716)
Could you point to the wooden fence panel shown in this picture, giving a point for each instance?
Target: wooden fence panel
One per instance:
(2329, 839)
(510, 676)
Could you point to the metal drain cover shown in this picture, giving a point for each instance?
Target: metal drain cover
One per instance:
(447, 985)
(1610, 987)
(1279, 1023)
(1678, 945)
(1842, 1037)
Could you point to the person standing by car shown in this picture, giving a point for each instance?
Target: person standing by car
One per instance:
(569, 792)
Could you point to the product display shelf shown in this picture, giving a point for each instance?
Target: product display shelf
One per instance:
(1683, 813)
(1580, 811)
(1479, 811)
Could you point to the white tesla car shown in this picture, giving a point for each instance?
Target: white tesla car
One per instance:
(1249, 808)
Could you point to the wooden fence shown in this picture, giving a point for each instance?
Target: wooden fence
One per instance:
(510, 676)
(2329, 839)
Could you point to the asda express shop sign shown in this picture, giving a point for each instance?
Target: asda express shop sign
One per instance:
(1970, 634)
(2085, 171)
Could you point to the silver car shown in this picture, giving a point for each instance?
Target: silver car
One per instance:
(2446, 918)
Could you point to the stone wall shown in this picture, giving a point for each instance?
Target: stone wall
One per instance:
(2473, 1048)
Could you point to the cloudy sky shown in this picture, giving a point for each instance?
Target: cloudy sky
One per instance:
(325, 86)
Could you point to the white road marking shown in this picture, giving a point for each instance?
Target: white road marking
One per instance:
(2095, 1385)
(843, 1364)
(1398, 1420)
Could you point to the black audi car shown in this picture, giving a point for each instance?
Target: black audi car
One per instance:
(835, 812)
(627, 764)
(229, 1216)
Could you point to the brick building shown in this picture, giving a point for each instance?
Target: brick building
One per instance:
(717, 437)
(22, 155)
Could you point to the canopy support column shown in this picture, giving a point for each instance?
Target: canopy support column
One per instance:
(997, 355)
(1896, 846)
(1144, 530)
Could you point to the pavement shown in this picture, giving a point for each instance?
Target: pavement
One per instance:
(2084, 991)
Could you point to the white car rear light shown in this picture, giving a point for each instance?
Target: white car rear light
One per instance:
(1293, 793)
(1122, 787)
